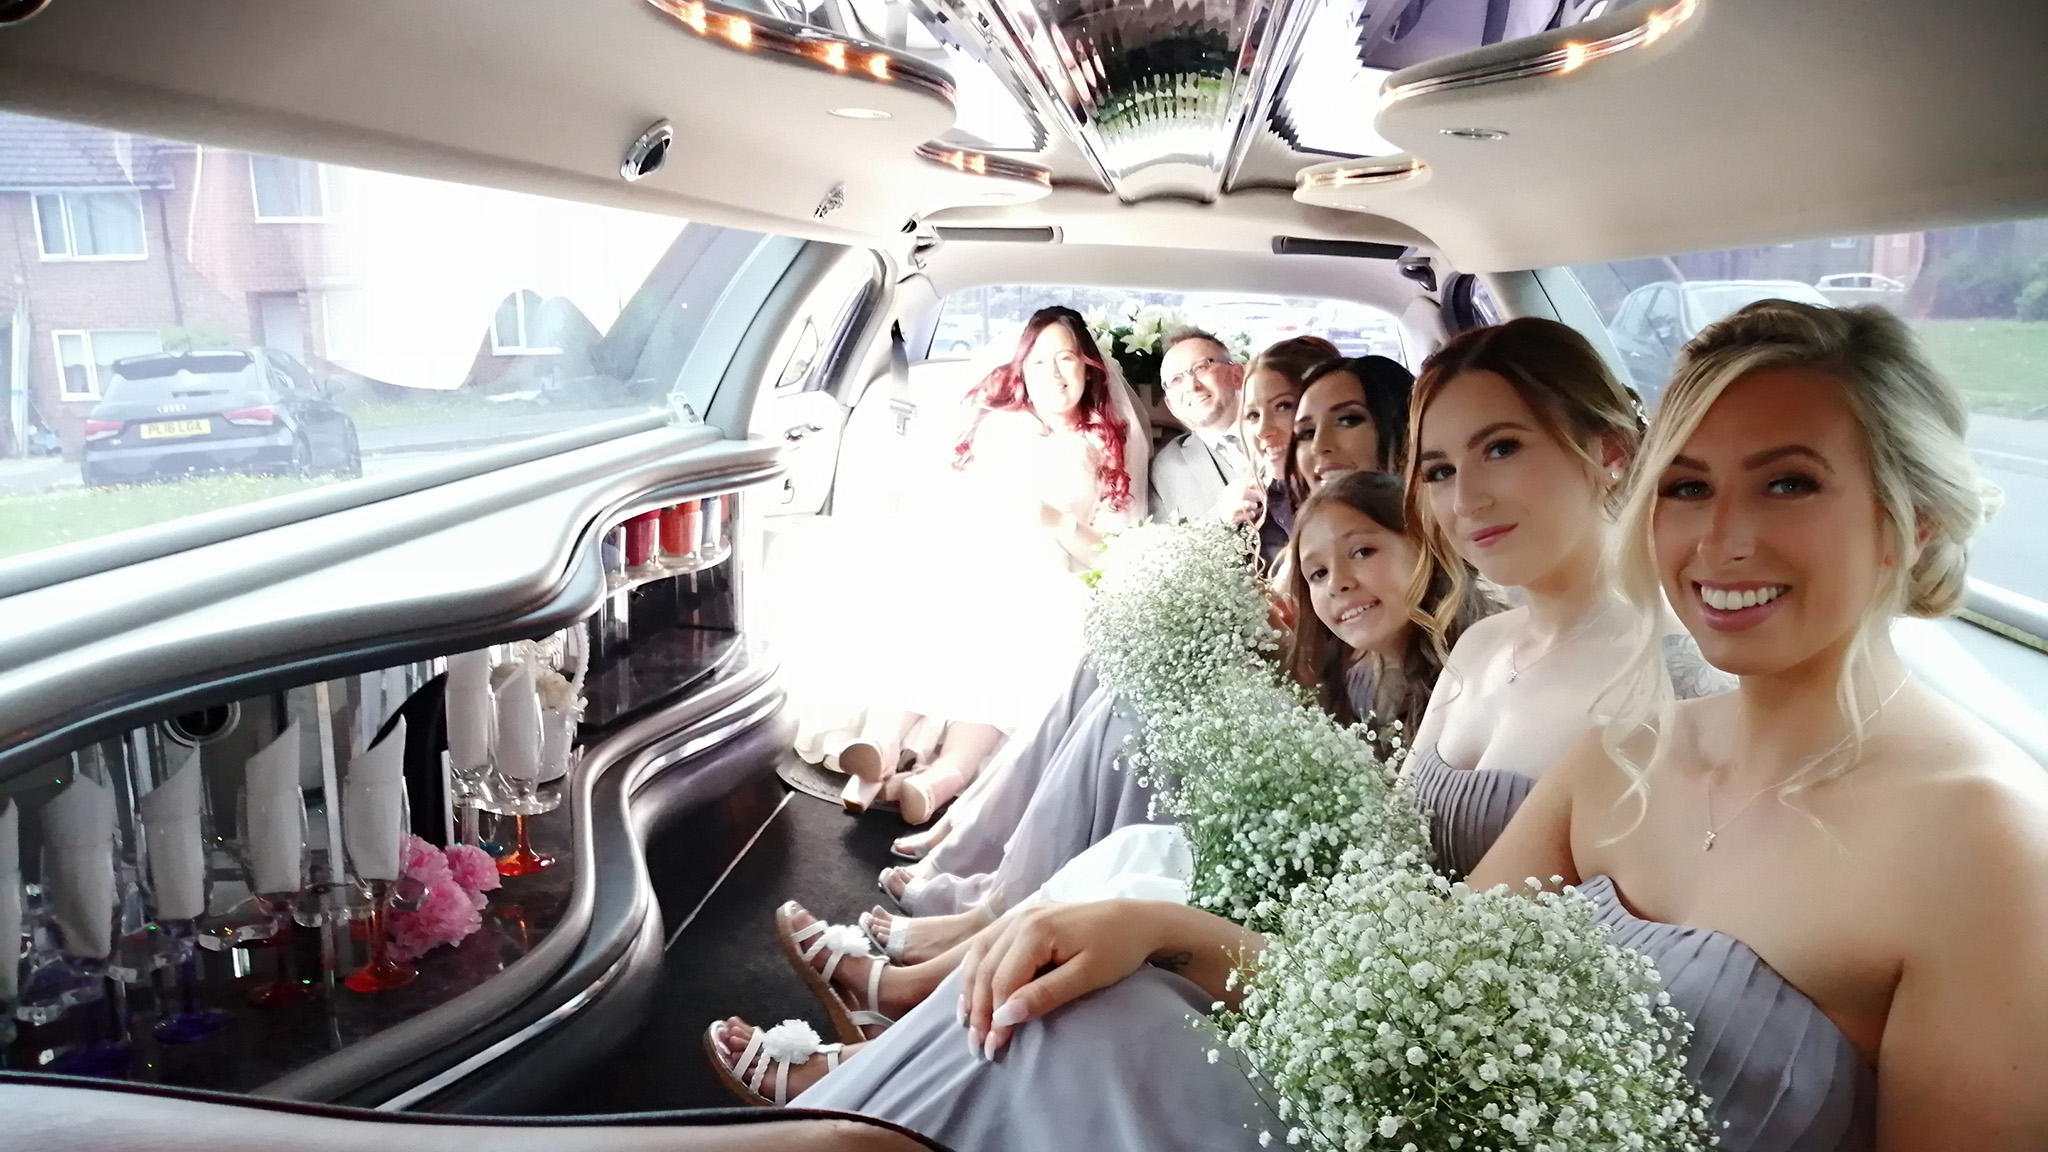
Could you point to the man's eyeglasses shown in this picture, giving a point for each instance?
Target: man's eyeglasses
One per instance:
(1200, 367)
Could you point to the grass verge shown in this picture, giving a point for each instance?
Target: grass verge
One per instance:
(2001, 365)
(65, 516)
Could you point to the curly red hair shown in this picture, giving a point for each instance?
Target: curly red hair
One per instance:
(1097, 418)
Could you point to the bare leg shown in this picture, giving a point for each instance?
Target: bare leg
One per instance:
(968, 748)
(733, 1034)
(902, 987)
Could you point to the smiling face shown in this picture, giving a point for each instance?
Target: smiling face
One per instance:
(1201, 384)
(1512, 500)
(1357, 574)
(1334, 431)
(1267, 421)
(1055, 375)
(1768, 533)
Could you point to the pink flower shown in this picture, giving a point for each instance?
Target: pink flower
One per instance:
(473, 868)
(422, 860)
(446, 917)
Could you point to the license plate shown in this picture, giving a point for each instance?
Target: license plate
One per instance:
(167, 429)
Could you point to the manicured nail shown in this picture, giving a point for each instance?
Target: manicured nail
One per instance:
(960, 1010)
(988, 1049)
(974, 1041)
(1009, 1015)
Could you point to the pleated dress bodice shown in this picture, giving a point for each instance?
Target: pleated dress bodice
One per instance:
(1468, 808)
(1781, 1076)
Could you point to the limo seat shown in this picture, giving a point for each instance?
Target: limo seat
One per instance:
(57, 1114)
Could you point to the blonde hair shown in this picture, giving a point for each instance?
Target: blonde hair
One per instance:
(1567, 387)
(1913, 422)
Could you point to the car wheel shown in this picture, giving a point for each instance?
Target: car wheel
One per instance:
(351, 466)
(86, 476)
(302, 458)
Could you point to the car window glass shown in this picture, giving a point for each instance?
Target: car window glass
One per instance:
(1977, 297)
(440, 319)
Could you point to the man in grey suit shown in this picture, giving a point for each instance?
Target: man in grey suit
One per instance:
(1193, 473)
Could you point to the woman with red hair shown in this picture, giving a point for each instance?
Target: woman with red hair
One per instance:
(1048, 457)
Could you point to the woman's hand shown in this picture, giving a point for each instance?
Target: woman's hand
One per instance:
(1244, 506)
(1040, 957)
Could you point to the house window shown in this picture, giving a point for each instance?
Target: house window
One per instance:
(516, 328)
(292, 190)
(83, 357)
(90, 225)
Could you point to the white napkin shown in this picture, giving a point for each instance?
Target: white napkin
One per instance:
(78, 835)
(518, 725)
(177, 855)
(277, 815)
(10, 898)
(373, 807)
(468, 704)
(557, 738)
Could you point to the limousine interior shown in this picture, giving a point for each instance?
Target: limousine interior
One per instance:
(633, 304)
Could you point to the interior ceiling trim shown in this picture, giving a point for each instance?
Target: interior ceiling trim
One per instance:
(751, 32)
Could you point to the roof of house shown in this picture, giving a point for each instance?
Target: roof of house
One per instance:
(37, 153)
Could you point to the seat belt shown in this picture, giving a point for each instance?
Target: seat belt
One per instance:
(900, 401)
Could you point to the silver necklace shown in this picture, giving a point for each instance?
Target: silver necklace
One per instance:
(1515, 669)
(1714, 830)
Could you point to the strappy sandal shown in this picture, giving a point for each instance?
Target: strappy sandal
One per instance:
(918, 845)
(899, 934)
(801, 945)
(790, 1044)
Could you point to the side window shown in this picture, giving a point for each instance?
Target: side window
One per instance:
(1661, 318)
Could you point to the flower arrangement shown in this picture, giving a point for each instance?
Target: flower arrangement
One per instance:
(1390, 1009)
(1271, 793)
(1134, 335)
(1176, 605)
(456, 879)
(1395, 1010)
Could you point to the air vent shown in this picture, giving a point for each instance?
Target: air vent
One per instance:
(1356, 249)
(957, 235)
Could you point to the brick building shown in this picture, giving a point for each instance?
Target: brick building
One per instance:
(116, 245)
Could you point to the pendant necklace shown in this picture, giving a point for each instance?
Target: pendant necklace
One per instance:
(1515, 670)
(1714, 830)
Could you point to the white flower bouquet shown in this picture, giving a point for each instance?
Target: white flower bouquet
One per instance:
(1271, 793)
(1176, 605)
(1393, 1010)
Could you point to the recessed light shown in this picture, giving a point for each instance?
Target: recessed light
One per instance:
(1474, 133)
(860, 113)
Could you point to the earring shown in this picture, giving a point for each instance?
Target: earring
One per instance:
(1614, 473)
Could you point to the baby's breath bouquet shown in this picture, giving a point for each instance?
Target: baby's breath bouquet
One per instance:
(1271, 793)
(1393, 1010)
(1175, 606)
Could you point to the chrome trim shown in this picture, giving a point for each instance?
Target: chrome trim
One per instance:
(1569, 56)
(984, 164)
(2021, 619)
(649, 153)
(1358, 175)
(16, 11)
(519, 1039)
(745, 31)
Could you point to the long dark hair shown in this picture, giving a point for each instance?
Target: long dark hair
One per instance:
(1386, 384)
(1097, 418)
(1318, 660)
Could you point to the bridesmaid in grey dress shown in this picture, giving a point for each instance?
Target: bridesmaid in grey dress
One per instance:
(1844, 995)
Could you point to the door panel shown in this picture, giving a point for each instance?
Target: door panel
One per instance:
(808, 425)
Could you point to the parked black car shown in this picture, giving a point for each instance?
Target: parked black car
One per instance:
(254, 410)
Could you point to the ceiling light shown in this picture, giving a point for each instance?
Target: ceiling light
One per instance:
(984, 164)
(1649, 26)
(724, 21)
(1474, 133)
(1353, 175)
(861, 113)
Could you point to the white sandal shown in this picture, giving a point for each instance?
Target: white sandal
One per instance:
(899, 934)
(802, 945)
(790, 1044)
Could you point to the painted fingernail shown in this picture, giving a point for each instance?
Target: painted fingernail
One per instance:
(974, 1041)
(1009, 1015)
(988, 1049)
(960, 1010)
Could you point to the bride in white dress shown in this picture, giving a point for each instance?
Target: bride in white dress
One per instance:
(1044, 458)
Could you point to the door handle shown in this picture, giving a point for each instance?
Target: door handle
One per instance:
(796, 432)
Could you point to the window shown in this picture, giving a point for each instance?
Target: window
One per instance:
(390, 320)
(981, 318)
(1978, 299)
(90, 225)
(516, 328)
(83, 357)
(290, 190)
